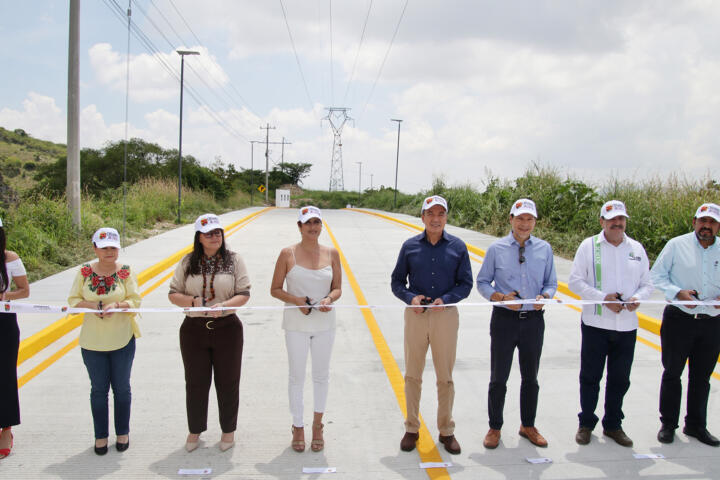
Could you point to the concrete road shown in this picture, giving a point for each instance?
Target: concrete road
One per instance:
(364, 419)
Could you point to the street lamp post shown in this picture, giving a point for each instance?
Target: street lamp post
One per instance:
(182, 54)
(397, 160)
(359, 178)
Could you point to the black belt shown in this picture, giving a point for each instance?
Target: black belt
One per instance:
(521, 314)
(213, 323)
(696, 316)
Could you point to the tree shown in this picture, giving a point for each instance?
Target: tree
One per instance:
(296, 171)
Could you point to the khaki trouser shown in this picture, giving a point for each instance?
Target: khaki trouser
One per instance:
(436, 328)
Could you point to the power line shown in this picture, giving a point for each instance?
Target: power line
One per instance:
(200, 77)
(382, 65)
(297, 59)
(357, 55)
(232, 86)
(156, 54)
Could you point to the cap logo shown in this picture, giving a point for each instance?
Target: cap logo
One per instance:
(203, 221)
(608, 208)
(304, 211)
(703, 208)
(430, 199)
(102, 236)
(518, 205)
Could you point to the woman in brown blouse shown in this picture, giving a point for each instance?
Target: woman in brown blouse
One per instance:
(211, 276)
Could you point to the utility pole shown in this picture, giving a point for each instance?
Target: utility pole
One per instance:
(252, 168)
(182, 54)
(371, 181)
(397, 160)
(73, 115)
(267, 129)
(282, 154)
(359, 178)
(337, 117)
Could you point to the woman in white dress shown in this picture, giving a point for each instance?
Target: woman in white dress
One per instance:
(312, 276)
(11, 270)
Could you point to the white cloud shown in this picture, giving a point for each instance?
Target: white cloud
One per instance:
(151, 77)
(40, 118)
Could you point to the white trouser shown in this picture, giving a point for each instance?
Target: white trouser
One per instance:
(298, 344)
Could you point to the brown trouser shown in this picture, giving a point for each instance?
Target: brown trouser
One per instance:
(436, 328)
(209, 345)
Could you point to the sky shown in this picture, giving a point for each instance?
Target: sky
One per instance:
(597, 90)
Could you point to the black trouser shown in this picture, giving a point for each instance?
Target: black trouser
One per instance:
(619, 349)
(9, 344)
(697, 340)
(509, 330)
(209, 345)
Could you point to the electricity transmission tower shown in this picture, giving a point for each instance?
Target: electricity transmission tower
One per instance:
(337, 117)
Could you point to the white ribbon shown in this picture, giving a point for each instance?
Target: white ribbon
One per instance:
(19, 307)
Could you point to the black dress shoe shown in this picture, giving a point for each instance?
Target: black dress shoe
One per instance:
(701, 434)
(451, 444)
(666, 434)
(407, 444)
(121, 447)
(101, 450)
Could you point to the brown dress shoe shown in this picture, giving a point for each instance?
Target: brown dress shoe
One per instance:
(533, 435)
(492, 439)
(582, 437)
(619, 437)
(451, 444)
(407, 444)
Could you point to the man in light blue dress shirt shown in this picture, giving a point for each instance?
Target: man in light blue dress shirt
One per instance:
(688, 268)
(518, 266)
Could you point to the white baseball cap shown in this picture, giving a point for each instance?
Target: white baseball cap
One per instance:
(307, 212)
(106, 237)
(1, 222)
(431, 201)
(612, 209)
(207, 222)
(708, 210)
(523, 205)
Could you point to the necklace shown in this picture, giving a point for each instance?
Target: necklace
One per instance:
(209, 264)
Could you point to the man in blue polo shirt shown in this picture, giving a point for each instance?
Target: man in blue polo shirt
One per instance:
(437, 266)
(518, 266)
(688, 269)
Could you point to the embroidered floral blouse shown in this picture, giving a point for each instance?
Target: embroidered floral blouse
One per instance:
(115, 331)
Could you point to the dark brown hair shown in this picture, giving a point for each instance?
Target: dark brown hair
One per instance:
(194, 266)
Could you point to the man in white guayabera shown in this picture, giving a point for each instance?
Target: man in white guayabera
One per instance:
(609, 266)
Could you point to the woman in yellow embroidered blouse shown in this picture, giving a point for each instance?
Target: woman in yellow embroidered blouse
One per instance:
(107, 340)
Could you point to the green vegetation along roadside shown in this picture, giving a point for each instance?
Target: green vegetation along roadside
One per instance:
(40, 229)
(568, 208)
(34, 209)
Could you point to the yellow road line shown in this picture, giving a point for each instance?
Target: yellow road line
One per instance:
(646, 322)
(46, 363)
(33, 344)
(425, 445)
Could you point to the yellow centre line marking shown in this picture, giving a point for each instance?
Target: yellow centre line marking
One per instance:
(75, 320)
(425, 445)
